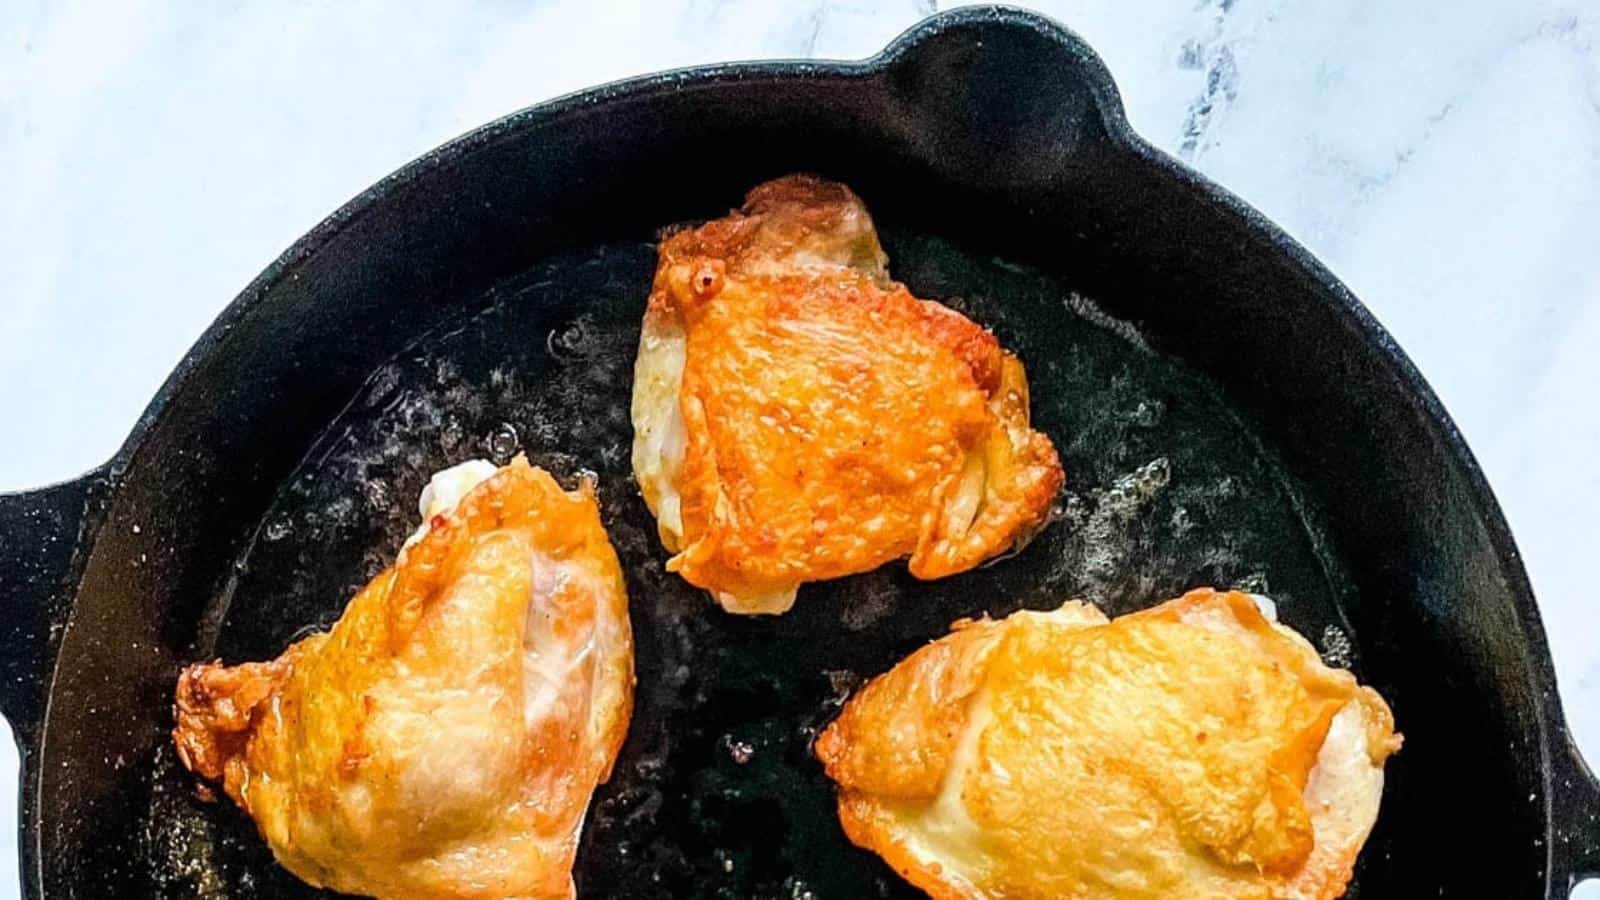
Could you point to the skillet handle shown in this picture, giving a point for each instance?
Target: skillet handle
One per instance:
(1576, 791)
(1004, 98)
(41, 534)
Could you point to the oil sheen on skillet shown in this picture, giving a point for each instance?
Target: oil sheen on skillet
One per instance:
(716, 792)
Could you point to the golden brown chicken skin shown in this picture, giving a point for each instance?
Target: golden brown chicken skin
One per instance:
(799, 416)
(1192, 750)
(443, 740)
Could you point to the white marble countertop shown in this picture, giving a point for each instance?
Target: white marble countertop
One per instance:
(1442, 156)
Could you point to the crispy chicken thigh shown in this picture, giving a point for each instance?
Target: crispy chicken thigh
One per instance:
(1193, 750)
(443, 740)
(799, 416)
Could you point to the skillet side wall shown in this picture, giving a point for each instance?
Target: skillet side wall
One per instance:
(1001, 145)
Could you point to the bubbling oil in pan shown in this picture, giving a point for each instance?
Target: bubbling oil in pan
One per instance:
(716, 793)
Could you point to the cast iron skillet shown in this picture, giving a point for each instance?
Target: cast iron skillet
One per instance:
(1226, 411)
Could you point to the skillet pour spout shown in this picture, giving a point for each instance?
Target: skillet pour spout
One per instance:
(991, 146)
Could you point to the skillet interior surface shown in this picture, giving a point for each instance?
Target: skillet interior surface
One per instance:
(1299, 447)
(716, 793)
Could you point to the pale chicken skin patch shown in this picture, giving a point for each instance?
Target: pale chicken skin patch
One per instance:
(1195, 749)
(799, 416)
(444, 738)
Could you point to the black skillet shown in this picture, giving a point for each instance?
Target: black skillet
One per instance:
(1226, 411)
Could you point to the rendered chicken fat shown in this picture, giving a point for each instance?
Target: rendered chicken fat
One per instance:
(1195, 749)
(444, 738)
(446, 488)
(799, 416)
